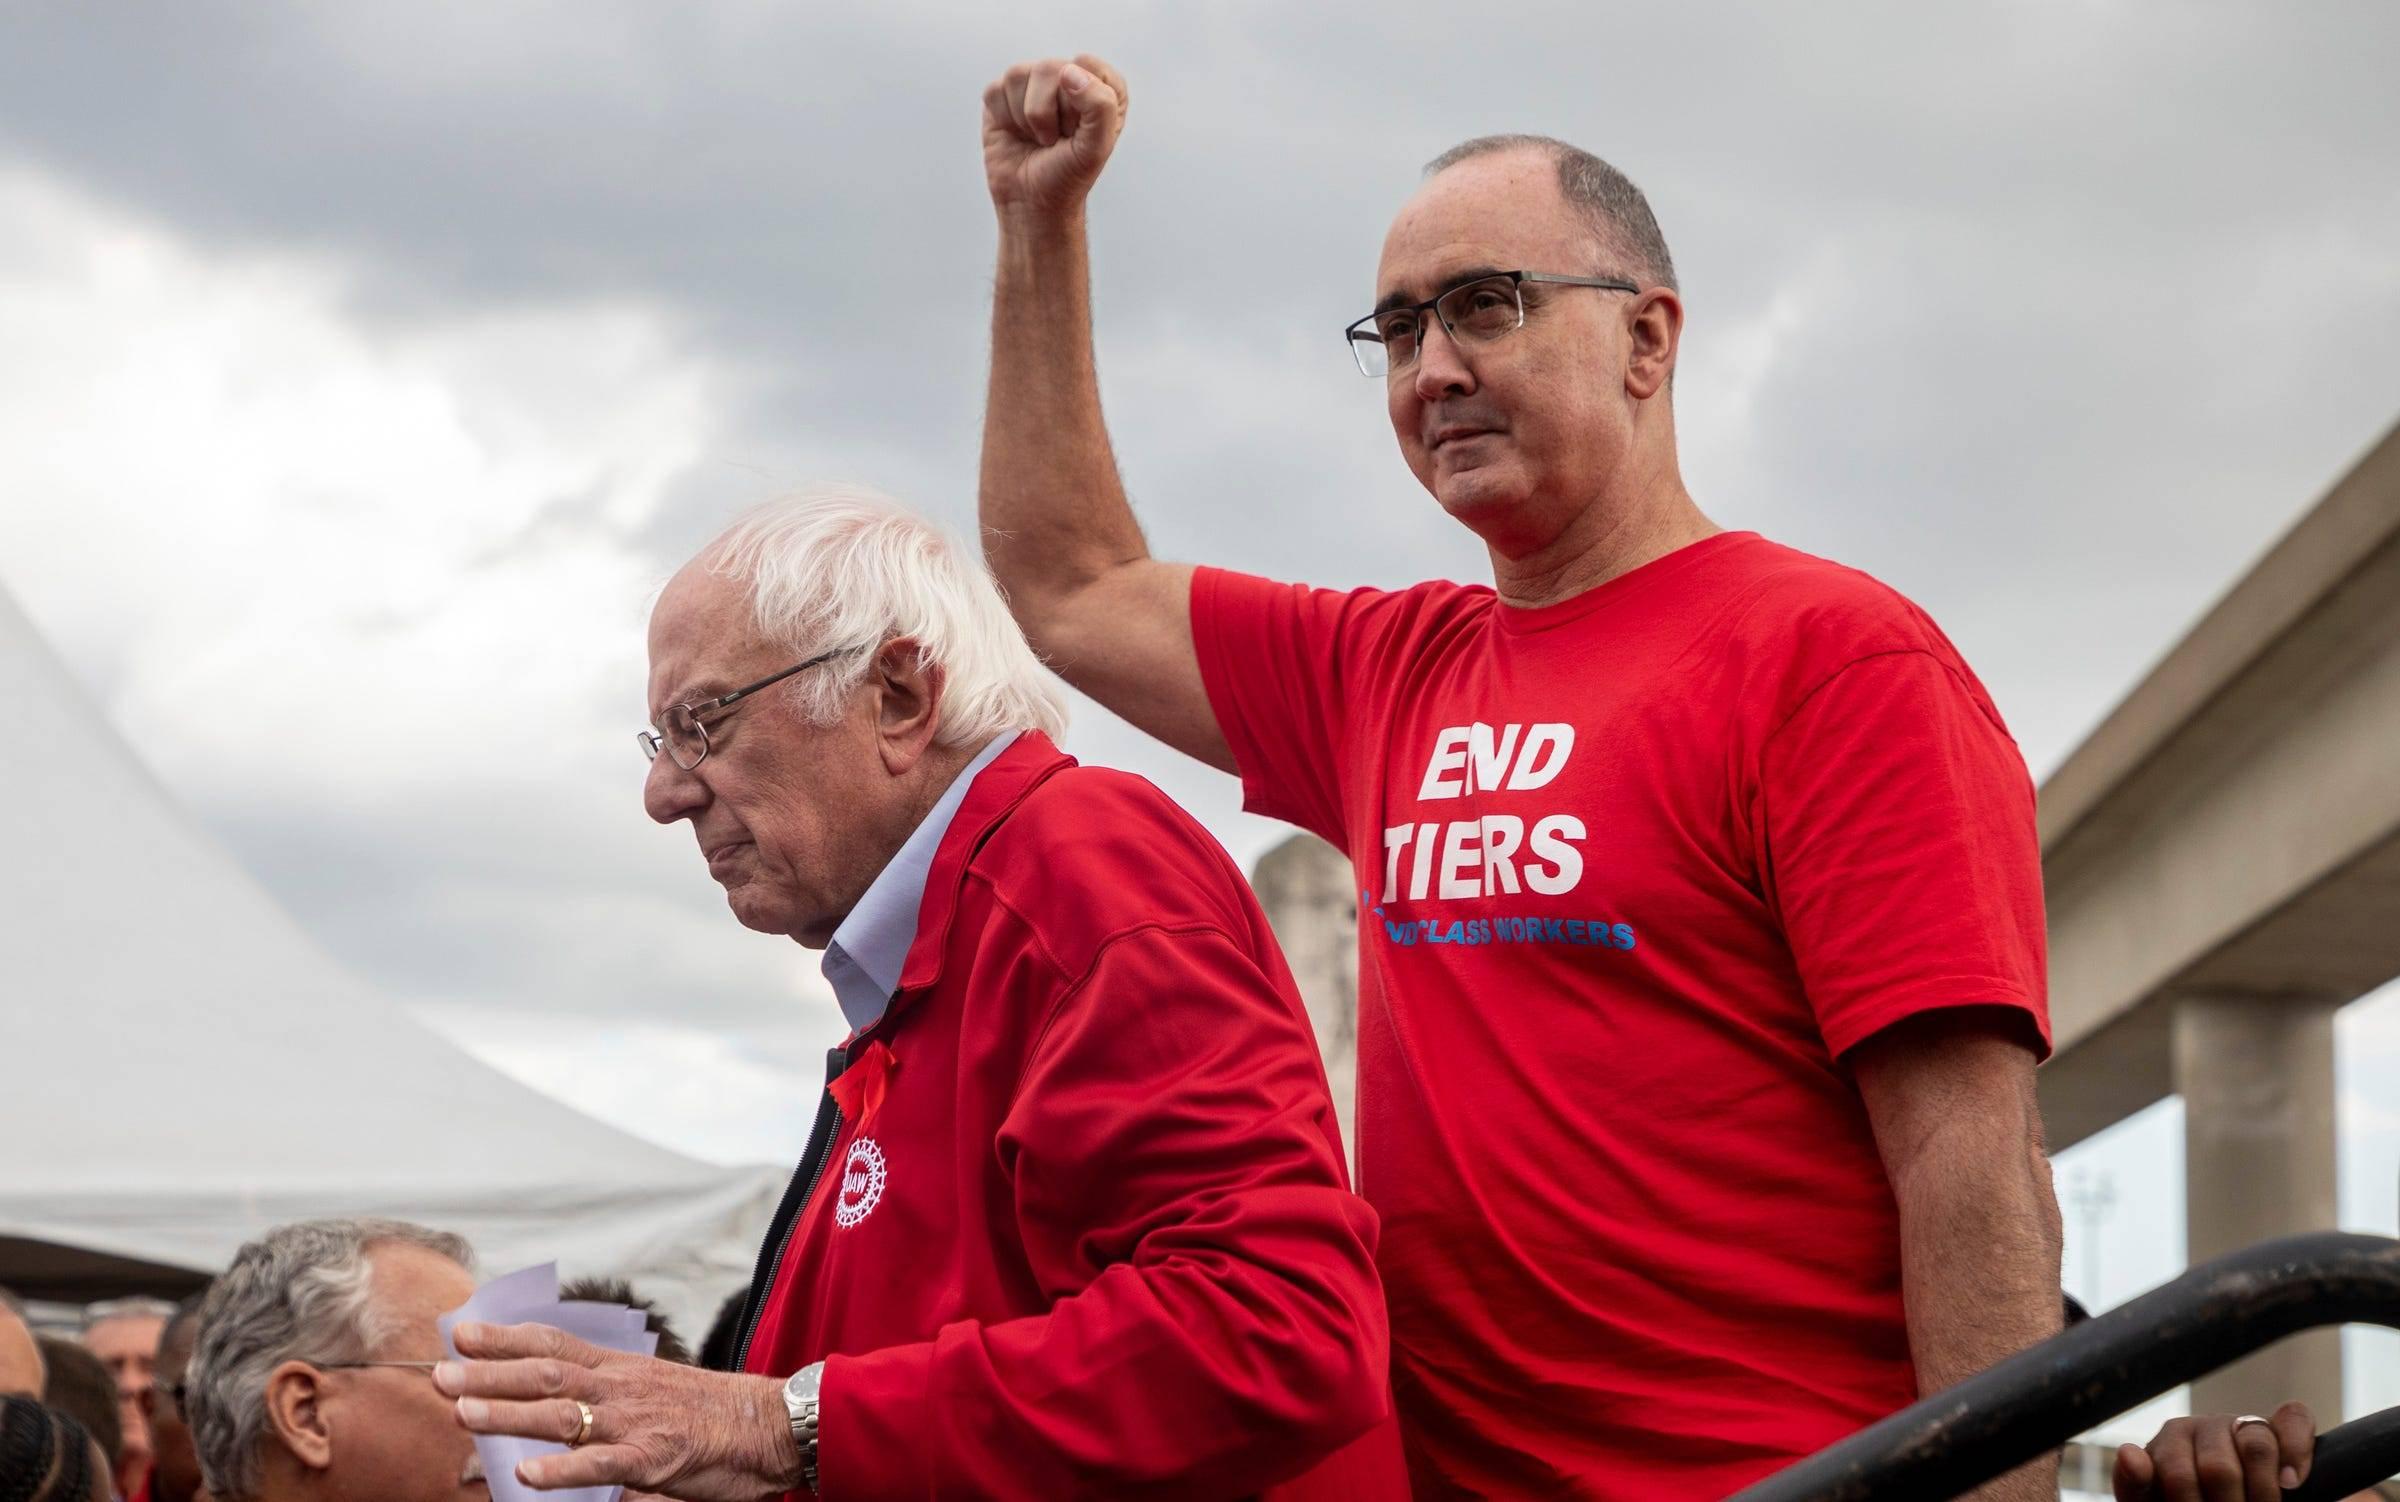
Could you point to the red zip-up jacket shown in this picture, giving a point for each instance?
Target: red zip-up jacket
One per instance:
(1074, 1222)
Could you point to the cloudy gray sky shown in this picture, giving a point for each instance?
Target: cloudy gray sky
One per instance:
(367, 366)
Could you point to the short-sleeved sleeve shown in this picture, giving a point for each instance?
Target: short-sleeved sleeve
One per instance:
(1900, 850)
(1273, 658)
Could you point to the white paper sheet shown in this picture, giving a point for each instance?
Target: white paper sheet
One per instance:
(529, 1296)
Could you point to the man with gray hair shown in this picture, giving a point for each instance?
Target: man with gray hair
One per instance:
(309, 1381)
(1073, 1220)
(124, 1333)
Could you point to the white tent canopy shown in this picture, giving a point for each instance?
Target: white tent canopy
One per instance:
(181, 1067)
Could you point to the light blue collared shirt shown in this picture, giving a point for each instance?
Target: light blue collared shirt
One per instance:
(863, 961)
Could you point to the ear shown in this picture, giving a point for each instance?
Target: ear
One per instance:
(908, 710)
(1656, 329)
(296, 1413)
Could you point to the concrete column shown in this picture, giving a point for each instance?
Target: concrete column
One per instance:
(1304, 885)
(2256, 1076)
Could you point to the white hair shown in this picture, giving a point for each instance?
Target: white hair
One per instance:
(840, 566)
(298, 1293)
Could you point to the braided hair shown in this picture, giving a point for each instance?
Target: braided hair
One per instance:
(45, 1456)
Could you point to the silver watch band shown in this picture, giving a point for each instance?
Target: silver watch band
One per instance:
(800, 1405)
(804, 1430)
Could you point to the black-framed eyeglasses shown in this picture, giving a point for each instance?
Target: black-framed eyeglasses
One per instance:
(1476, 311)
(683, 733)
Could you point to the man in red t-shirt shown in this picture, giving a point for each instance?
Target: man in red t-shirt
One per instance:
(1701, 982)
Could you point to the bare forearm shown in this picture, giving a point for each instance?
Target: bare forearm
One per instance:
(1053, 509)
(1979, 1247)
(1057, 531)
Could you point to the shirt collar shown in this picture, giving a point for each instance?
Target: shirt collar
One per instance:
(869, 947)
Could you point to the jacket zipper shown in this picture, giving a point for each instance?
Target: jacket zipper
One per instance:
(805, 1175)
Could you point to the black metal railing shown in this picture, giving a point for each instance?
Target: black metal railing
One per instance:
(2352, 1458)
(2033, 1402)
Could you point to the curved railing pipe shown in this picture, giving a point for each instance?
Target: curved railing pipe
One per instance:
(2352, 1458)
(2033, 1402)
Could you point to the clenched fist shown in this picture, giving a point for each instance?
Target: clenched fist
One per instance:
(1048, 128)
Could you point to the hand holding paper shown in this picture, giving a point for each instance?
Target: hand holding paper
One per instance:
(531, 1365)
(529, 1296)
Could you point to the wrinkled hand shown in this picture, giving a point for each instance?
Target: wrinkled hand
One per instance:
(2208, 1459)
(699, 1435)
(1048, 128)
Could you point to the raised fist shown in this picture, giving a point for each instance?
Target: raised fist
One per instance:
(1048, 128)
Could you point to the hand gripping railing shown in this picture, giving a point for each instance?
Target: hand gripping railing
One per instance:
(2031, 1403)
(2352, 1458)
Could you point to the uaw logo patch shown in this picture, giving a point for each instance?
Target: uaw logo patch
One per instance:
(862, 1183)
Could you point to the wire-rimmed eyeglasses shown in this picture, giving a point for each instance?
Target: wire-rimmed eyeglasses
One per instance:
(684, 735)
(351, 1366)
(1484, 307)
(180, 1392)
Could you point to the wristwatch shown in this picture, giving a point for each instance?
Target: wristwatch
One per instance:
(800, 1401)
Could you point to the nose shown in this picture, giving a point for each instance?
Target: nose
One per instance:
(1442, 369)
(670, 793)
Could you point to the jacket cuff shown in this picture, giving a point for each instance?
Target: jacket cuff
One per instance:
(877, 1425)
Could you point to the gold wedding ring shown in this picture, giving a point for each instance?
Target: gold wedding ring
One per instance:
(583, 1432)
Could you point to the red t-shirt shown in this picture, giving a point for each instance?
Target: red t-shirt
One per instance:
(1635, 870)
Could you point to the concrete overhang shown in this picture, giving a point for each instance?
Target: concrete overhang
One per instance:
(2234, 825)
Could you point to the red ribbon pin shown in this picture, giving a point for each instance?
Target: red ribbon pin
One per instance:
(860, 1089)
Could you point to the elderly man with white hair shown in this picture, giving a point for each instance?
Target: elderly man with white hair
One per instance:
(1073, 1220)
(309, 1381)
